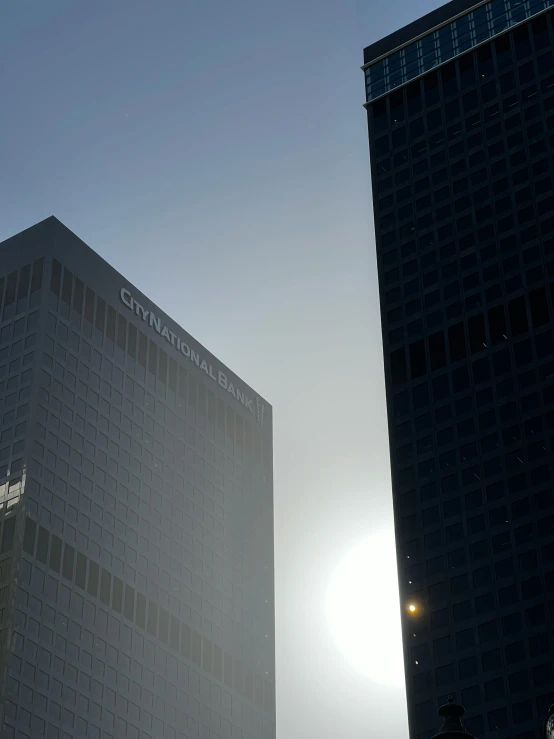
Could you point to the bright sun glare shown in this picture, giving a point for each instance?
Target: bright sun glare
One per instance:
(363, 610)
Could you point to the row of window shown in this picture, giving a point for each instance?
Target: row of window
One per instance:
(455, 560)
(506, 391)
(543, 225)
(498, 101)
(496, 517)
(15, 390)
(451, 40)
(513, 653)
(171, 464)
(498, 544)
(497, 153)
(483, 577)
(487, 203)
(106, 378)
(471, 286)
(121, 333)
(530, 588)
(99, 430)
(162, 557)
(472, 336)
(520, 682)
(18, 286)
(98, 582)
(452, 508)
(120, 680)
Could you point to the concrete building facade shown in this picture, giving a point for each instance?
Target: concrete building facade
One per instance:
(136, 546)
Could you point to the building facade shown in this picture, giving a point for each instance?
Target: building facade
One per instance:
(460, 109)
(136, 545)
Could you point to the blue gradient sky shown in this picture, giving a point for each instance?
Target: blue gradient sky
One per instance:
(216, 154)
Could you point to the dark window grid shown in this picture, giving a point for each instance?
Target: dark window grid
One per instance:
(510, 340)
(477, 169)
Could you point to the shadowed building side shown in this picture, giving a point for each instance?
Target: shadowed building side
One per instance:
(460, 109)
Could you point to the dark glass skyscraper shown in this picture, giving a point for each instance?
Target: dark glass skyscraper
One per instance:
(461, 128)
(136, 542)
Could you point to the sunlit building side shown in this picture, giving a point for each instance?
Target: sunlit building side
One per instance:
(136, 520)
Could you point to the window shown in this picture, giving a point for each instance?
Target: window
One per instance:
(445, 675)
(152, 624)
(437, 351)
(484, 604)
(539, 307)
(479, 550)
(518, 316)
(497, 719)
(467, 668)
(29, 536)
(55, 554)
(417, 359)
(439, 619)
(42, 545)
(507, 596)
(523, 712)
(462, 611)
(398, 367)
(494, 689)
(504, 568)
(465, 639)
(141, 610)
(459, 584)
(471, 696)
(511, 624)
(454, 532)
(535, 616)
(117, 595)
(531, 588)
(514, 652)
(433, 540)
(543, 674)
(8, 535)
(442, 647)
(488, 632)
(68, 562)
(538, 644)
(81, 570)
(93, 577)
(105, 586)
(435, 566)
(491, 660)
(456, 342)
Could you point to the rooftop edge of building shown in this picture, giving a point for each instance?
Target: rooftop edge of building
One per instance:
(417, 28)
(47, 230)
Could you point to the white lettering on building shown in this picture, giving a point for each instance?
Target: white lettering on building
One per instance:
(155, 323)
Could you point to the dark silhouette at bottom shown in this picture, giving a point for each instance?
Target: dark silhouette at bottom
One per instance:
(452, 725)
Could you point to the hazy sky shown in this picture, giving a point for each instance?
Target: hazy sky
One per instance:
(216, 154)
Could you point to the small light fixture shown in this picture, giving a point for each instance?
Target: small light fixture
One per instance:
(412, 608)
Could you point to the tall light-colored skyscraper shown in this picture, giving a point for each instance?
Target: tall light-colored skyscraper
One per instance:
(136, 549)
